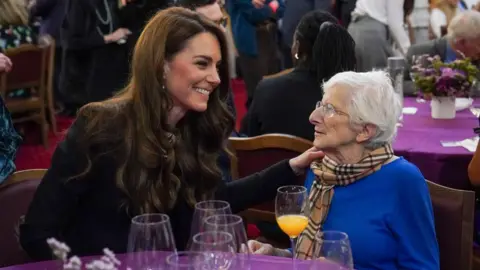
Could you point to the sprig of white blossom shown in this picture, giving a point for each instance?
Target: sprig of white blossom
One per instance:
(60, 250)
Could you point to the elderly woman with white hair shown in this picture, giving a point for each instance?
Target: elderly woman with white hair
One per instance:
(361, 188)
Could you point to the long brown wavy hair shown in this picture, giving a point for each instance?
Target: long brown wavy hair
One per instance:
(155, 160)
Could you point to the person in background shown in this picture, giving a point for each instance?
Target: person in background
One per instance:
(321, 49)
(10, 140)
(381, 201)
(51, 14)
(373, 22)
(294, 11)
(462, 40)
(15, 27)
(135, 14)
(153, 148)
(343, 10)
(442, 13)
(95, 53)
(254, 28)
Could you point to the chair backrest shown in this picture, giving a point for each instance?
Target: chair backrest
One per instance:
(257, 153)
(454, 215)
(29, 69)
(16, 193)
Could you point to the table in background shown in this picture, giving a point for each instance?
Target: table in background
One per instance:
(257, 262)
(418, 140)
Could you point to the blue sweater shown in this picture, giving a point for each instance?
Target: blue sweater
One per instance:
(388, 217)
(244, 19)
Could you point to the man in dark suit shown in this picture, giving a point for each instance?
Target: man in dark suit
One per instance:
(462, 40)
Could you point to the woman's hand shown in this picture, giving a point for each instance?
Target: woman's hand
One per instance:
(120, 33)
(5, 63)
(259, 248)
(304, 160)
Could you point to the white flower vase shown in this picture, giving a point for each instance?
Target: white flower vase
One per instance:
(443, 107)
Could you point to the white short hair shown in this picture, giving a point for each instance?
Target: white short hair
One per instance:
(465, 25)
(373, 101)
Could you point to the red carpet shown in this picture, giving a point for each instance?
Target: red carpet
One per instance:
(32, 155)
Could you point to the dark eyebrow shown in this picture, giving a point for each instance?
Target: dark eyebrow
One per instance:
(208, 58)
(205, 57)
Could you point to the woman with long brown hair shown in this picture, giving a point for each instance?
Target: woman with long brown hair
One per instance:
(152, 148)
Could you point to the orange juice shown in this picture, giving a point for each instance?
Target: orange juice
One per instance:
(292, 225)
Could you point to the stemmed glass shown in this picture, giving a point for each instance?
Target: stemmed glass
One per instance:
(187, 260)
(232, 224)
(333, 247)
(291, 211)
(204, 210)
(149, 234)
(219, 247)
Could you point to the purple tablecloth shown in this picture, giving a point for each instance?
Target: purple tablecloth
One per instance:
(419, 139)
(257, 262)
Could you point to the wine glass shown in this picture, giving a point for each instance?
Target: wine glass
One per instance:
(149, 234)
(291, 211)
(333, 247)
(205, 209)
(219, 247)
(187, 260)
(232, 224)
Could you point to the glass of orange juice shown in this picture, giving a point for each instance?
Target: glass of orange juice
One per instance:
(291, 211)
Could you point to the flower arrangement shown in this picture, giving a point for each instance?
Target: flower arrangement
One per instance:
(434, 78)
(60, 250)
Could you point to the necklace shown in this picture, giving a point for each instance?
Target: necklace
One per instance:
(106, 21)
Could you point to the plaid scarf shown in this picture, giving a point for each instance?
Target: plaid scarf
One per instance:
(329, 174)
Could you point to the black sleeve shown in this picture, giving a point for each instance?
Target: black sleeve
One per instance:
(56, 197)
(257, 188)
(80, 27)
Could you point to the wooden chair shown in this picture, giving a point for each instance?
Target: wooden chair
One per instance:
(16, 193)
(257, 153)
(50, 100)
(454, 214)
(283, 72)
(29, 72)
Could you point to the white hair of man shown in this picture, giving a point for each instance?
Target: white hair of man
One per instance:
(465, 25)
(373, 101)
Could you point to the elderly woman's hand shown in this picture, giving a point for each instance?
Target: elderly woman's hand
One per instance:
(5, 63)
(259, 248)
(304, 160)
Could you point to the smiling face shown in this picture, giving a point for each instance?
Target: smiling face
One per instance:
(332, 123)
(192, 75)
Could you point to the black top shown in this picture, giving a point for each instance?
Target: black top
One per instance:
(283, 105)
(87, 214)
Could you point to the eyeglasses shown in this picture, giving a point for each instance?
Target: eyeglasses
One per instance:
(328, 110)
